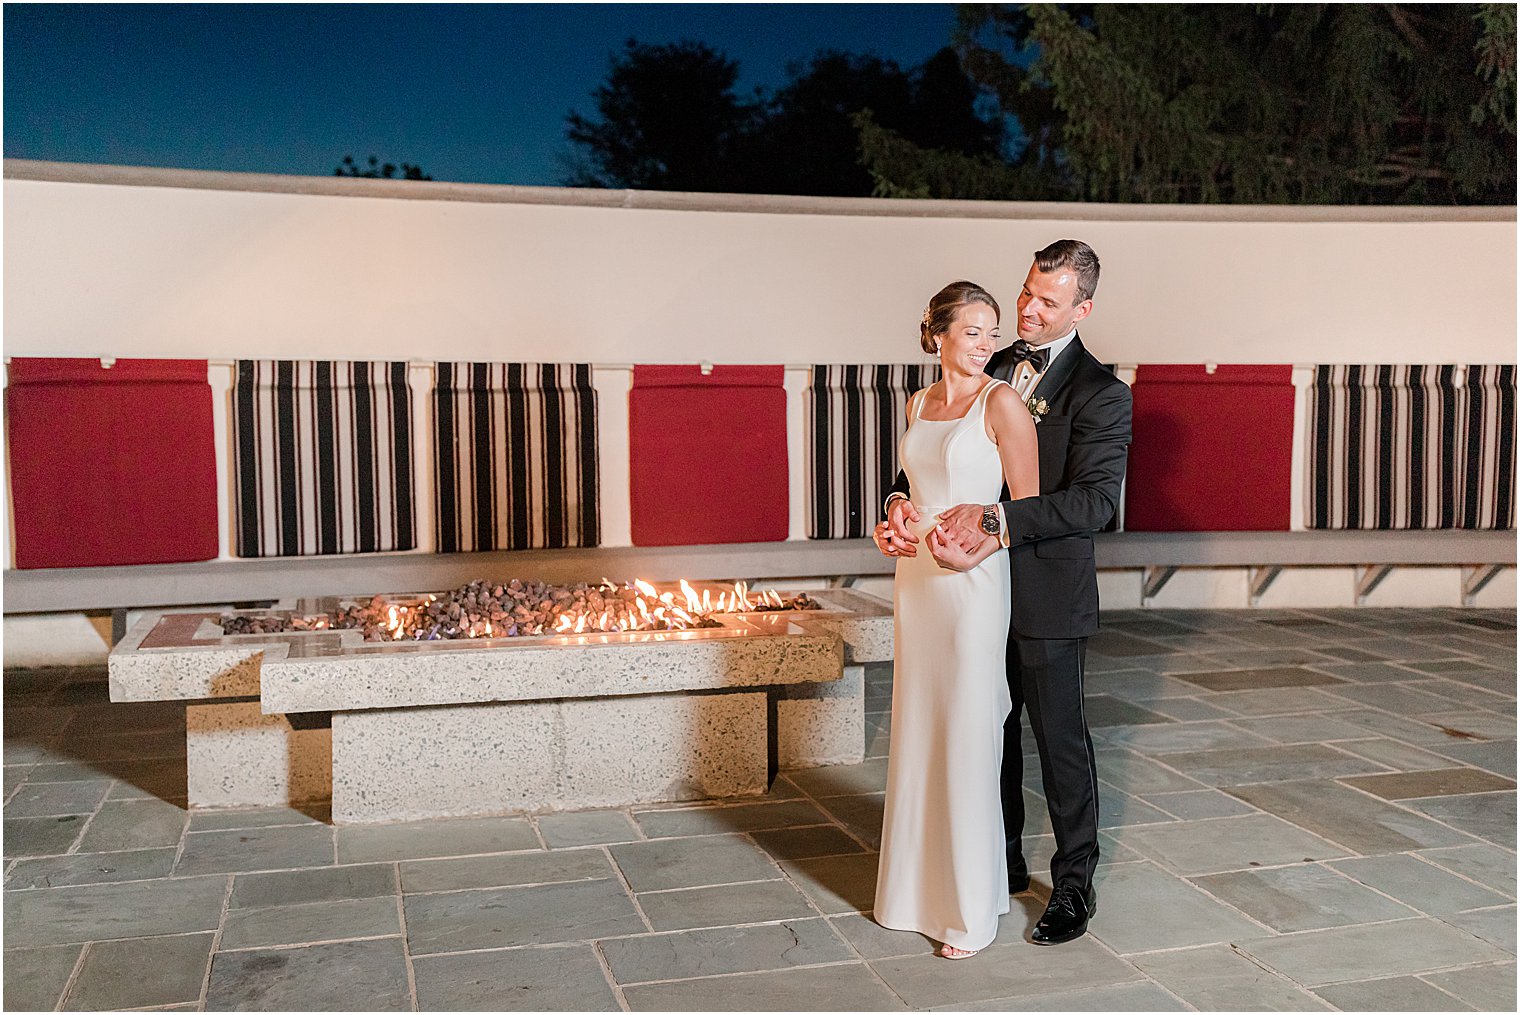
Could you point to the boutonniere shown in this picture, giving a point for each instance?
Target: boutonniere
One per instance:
(1037, 407)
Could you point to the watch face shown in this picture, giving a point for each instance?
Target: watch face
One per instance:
(990, 521)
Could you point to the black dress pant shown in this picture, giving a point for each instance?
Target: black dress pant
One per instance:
(1045, 676)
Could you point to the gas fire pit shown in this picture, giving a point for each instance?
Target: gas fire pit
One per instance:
(400, 708)
(516, 609)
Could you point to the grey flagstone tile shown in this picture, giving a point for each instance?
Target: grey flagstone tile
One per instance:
(1277, 763)
(1142, 908)
(91, 868)
(1429, 783)
(837, 884)
(1214, 977)
(1357, 821)
(309, 922)
(503, 869)
(343, 976)
(1490, 816)
(844, 987)
(806, 843)
(586, 828)
(420, 839)
(550, 978)
(1319, 957)
(35, 977)
(1487, 988)
(1496, 926)
(717, 905)
(129, 909)
(692, 862)
(721, 950)
(1224, 844)
(321, 884)
(138, 972)
(253, 849)
(1139, 996)
(1010, 970)
(717, 820)
(1393, 993)
(1413, 882)
(1302, 897)
(502, 917)
(1488, 865)
(54, 798)
(135, 824)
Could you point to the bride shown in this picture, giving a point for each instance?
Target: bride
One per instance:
(943, 870)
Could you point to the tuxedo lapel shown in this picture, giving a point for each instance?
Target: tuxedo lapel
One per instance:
(1061, 369)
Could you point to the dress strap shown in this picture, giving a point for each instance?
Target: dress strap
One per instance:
(981, 396)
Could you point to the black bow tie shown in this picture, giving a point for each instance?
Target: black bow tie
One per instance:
(1038, 358)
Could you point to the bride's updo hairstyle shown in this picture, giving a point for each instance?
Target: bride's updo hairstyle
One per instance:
(941, 311)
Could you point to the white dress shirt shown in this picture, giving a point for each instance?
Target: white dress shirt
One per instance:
(1024, 390)
(1055, 348)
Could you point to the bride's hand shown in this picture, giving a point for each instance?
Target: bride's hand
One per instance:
(953, 552)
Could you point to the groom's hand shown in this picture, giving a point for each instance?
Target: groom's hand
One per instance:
(964, 521)
(900, 514)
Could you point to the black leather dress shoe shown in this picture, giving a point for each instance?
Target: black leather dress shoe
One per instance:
(1065, 916)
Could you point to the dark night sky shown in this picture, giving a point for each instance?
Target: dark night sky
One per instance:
(473, 93)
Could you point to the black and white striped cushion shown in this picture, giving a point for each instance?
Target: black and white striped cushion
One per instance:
(1383, 448)
(515, 456)
(323, 458)
(1488, 460)
(855, 416)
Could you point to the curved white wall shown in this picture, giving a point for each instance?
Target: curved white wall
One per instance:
(184, 269)
(123, 262)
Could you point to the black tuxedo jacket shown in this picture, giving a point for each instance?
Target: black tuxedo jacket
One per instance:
(1084, 442)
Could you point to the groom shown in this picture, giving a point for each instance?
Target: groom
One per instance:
(1082, 412)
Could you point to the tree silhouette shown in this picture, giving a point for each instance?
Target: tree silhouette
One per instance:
(377, 170)
(1292, 103)
(806, 142)
(669, 119)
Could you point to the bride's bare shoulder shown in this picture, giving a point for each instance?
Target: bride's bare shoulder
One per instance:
(916, 400)
(1006, 409)
(1002, 396)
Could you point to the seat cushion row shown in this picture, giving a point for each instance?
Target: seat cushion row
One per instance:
(116, 464)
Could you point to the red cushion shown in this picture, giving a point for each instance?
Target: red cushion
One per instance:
(1211, 452)
(707, 455)
(111, 466)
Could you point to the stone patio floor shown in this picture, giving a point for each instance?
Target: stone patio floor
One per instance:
(1301, 810)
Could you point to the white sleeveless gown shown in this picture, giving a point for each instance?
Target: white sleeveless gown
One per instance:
(943, 868)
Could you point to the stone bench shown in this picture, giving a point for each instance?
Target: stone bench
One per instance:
(407, 730)
(1480, 553)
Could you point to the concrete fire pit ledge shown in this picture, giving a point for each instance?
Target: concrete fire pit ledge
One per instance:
(480, 726)
(744, 653)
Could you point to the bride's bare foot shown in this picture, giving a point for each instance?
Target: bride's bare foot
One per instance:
(952, 952)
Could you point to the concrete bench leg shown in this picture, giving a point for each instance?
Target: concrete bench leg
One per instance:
(412, 763)
(823, 723)
(238, 757)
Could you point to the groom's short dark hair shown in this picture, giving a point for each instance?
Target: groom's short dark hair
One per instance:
(1076, 255)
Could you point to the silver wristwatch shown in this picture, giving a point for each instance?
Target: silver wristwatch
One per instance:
(990, 522)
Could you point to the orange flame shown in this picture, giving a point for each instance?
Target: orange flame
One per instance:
(635, 606)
